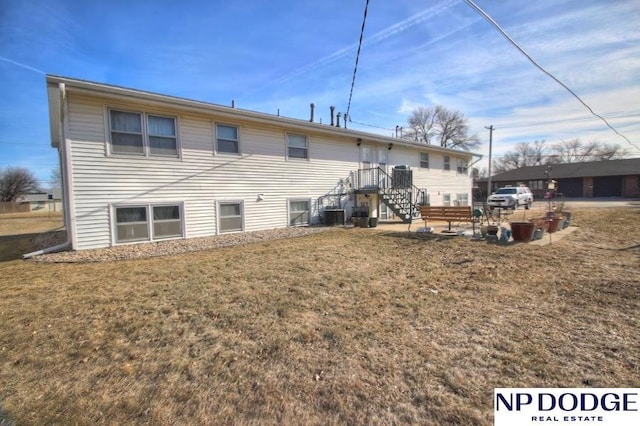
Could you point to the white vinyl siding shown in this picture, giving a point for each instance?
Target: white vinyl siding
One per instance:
(201, 180)
(297, 146)
(227, 139)
(132, 223)
(299, 212)
(230, 214)
(137, 133)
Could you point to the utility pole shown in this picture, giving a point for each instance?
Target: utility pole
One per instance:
(490, 144)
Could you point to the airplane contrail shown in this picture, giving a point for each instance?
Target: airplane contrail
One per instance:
(22, 65)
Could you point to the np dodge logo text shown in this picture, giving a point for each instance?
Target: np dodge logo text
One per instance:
(583, 401)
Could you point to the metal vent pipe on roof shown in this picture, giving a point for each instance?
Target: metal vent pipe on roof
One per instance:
(332, 108)
(338, 122)
(312, 108)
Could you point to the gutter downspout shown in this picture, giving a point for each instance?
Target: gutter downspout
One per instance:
(65, 159)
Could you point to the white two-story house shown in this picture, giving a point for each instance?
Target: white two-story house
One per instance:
(140, 166)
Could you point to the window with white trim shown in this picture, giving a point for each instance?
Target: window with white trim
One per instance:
(297, 146)
(462, 199)
(424, 160)
(447, 162)
(137, 133)
(299, 212)
(446, 199)
(461, 166)
(147, 222)
(229, 217)
(227, 139)
(166, 222)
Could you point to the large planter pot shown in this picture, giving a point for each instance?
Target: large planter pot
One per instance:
(522, 231)
(554, 224)
(373, 222)
(364, 222)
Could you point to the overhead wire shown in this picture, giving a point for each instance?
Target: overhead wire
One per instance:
(355, 68)
(517, 46)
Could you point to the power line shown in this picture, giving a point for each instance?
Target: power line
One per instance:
(369, 125)
(517, 46)
(563, 120)
(355, 69)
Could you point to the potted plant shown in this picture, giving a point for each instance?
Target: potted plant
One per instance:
(522, 231)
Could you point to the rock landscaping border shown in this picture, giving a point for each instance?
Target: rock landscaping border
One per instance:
(163, 248)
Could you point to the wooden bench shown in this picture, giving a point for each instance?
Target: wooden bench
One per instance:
(446, 213)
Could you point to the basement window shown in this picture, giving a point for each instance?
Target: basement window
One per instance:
(462, 199)
(230, 217)
(147, 223)
(299, 212)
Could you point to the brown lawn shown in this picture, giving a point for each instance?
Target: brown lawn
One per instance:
(342, 327)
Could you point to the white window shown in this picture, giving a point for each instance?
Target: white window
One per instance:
(461, 166)
(132, 223)
(126, 132)
(227, 140)
(424, 160)
(297, 146)
(462, 199)
(230, 216)
(136, 133)
(166, 222)
(447, 162)
(299, 212)
(446, 199)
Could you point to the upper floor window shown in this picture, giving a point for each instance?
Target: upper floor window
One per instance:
(424, 160)
(135, 133)
(297, 146)
(447, 162)
(227, 140)
(462, 166)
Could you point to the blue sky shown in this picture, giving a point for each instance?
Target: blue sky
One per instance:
(272, 56)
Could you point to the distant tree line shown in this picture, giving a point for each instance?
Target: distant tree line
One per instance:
(538, 153)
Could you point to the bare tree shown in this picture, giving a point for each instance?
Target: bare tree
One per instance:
(446, 127)
(421, 124)
(575, 151)
(55, 178)
(16, 181)
(525, 154)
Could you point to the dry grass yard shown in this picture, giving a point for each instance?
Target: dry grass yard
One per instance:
(341, 327)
